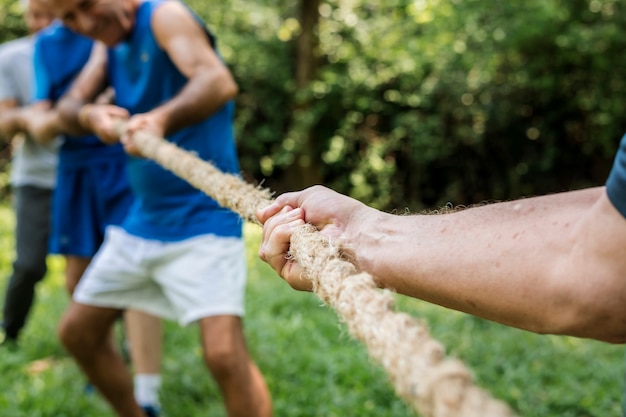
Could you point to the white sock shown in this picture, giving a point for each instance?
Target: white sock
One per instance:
(147, 388)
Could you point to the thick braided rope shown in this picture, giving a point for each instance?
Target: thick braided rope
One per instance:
(435, 386)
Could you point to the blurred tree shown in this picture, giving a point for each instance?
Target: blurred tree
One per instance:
(416, 103)
(307, 170)
(12, 26)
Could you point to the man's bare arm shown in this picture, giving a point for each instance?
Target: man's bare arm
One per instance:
(91, 81)
(550, 264)
(210, 83)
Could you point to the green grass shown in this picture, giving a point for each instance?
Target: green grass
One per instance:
(312, 366)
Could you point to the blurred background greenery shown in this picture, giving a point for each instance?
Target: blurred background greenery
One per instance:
(417, 103)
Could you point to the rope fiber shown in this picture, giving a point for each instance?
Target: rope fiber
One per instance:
(433, 384)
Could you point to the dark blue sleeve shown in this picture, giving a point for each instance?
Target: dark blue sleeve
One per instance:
(616, 183)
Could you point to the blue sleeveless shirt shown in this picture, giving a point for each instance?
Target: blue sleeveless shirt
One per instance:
(616, 183)
(167, 208)
(59, 56)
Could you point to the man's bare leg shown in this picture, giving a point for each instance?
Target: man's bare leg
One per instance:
(226, 355)
(85, 333)
(75, 266)
(144, 333)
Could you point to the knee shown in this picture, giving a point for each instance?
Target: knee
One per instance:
(29, 272)
(66, 331)
(72, 335)
(221, 361)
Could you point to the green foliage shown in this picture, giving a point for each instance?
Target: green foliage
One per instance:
(312, 366)
(417, 103)
(12, 27)
(12, 23)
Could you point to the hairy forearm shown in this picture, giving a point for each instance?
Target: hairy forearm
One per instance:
(519, 263)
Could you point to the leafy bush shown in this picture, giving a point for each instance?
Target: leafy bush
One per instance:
(419, 103)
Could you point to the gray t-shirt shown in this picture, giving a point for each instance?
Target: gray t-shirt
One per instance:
(33, 163)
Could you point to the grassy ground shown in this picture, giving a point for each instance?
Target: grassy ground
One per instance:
(313, 368)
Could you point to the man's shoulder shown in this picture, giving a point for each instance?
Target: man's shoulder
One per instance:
(58, 38)
(16, 47)
(54, 31)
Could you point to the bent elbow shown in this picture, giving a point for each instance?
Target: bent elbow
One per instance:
(605, 322)
(609, 325)
(222, 77)
(230, 88)
(587, 299)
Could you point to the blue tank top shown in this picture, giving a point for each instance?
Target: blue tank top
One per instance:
(59, 56)
(167, 208)
(616, 183)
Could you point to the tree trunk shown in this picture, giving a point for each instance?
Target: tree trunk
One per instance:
(306, 169)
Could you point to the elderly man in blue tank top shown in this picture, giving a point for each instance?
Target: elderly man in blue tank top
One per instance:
(177, 254)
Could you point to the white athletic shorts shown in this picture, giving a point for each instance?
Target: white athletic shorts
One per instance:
(183, 281)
